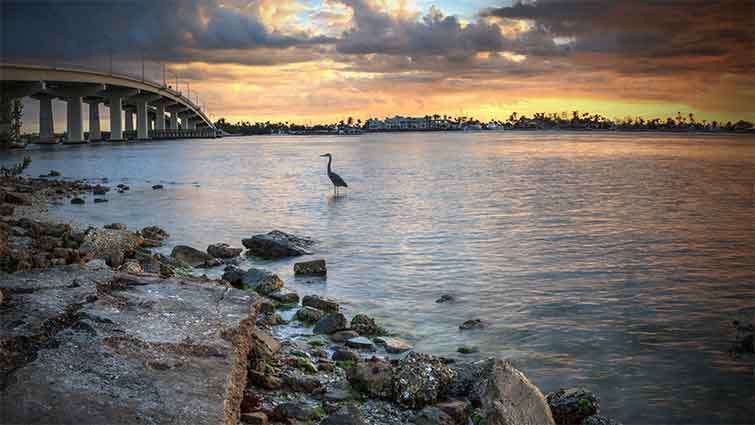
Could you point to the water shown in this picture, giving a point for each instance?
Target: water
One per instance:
(612, 261)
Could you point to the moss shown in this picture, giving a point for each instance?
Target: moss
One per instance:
(316, 343)
(305, 365)
(320, 412)
(584, 405)
(345, 364)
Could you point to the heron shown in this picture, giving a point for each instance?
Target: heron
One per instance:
(335, 178)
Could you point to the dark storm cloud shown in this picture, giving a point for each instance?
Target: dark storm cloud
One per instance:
(170, 30)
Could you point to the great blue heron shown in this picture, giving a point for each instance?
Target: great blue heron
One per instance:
(335, 178)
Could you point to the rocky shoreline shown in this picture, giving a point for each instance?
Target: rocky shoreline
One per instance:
(96, 327)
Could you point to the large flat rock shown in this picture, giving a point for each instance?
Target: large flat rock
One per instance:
(95, 348)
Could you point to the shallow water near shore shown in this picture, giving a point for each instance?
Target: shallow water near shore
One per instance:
(611, 261)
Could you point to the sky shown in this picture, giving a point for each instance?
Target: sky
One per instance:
(324, 60)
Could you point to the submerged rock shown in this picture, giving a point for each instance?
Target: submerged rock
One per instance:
(311, 268)
(190, 256)
(277, 244)
(223, 250)
(572, 406)
(472, 324)
(324, 304)
(331, 323)
(78, 201)
(445, 298)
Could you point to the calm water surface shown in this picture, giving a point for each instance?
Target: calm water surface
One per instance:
(614, 262)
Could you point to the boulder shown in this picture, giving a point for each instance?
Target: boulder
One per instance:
(77, 201)
(262, 281)
(277, 244)
(294, 410)
(503, 394)
(331, 323)
(323, 304)
(420, 380)
(116, 226)
(223, 250)
(110, 245)
(284, 297)
(100, 190)
(157, 187)
(190, 256)
(308, 315)
(365, 325)
(472, 324)
(360, 343)
(373, 377)
(155, 235)
(311, 268)
(458, 410)
(573, 405)
(347, 415)
(393, 345)
(256, 418)
(342, 336)
(445, 298)
(431, 415)
(345, 355)
(100, 200)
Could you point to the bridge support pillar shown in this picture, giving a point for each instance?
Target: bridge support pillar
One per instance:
(142, 120)
(174, 120)
(75, 121)
(116, 125)
(129, 120)
(46, 123)
(160, 119)
(94, 119)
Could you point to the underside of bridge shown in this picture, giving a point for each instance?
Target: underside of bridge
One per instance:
(158, 111)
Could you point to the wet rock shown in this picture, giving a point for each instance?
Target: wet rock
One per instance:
(256, 418)
(345, 355)
(311, 268)
(472, 324)
(100, 200)
(223, 250)
(54, 173)
(431, 415)
(572, 406)
(323, 304)
(6, 209)
(365, 325)
(157, 187)
(331, 323)
(262, 380)
(116, 226)
(295, 410)
(100, 190)
(599, 420)
(373, 377)
(421, 380)
(342, 336)
(446, 298)
(262, 281)
(17, 198)
(308, 315)
(299, 381)
(131, 267)
(360, 343)
(277, 244)
(458, 410)
(465, 349)
(214, 262)
(503, 394)
(190, 256)
(393, 345)
(78, 201)
(347, 415)
(110, 245)
(284, 297)
(154, 233)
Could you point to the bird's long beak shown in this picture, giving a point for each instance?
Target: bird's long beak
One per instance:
(321, 156)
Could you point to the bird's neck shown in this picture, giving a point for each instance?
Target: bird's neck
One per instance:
(330, 159)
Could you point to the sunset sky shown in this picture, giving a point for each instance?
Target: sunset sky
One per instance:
(324, 60)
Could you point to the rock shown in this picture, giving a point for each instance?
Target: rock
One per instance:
(100, 190)
(190, 256)
(431, 415)
(472, 324)
(262, 281)
(365, 325)
(97, 265)
(95, 347)
(100, 200)
(110, 245)
(131, 267)
(17, 198)
(308, 315)
(154, 233)
(157, 187)
(347, 415)
(323, 304)
(599, 420)
(331, 323)
(6, 209)
(421, 379)
(458, 410)
(360, 343)
(266, 306)
(277, 244)
(256, 418)
(342, 336)
(292, 410)
(78, 201)
(445, 298)
(345, 355)
(54, 173)
(572, 406)
(265, 381)
(503, 394)
(373, 377)
(214, 262)
(393, 345)
(284, 297)
(223, 250)
(298, 381)
(116, 226)
(464, 349)
(311, 268)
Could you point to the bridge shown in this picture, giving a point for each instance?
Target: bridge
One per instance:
(161, 111)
